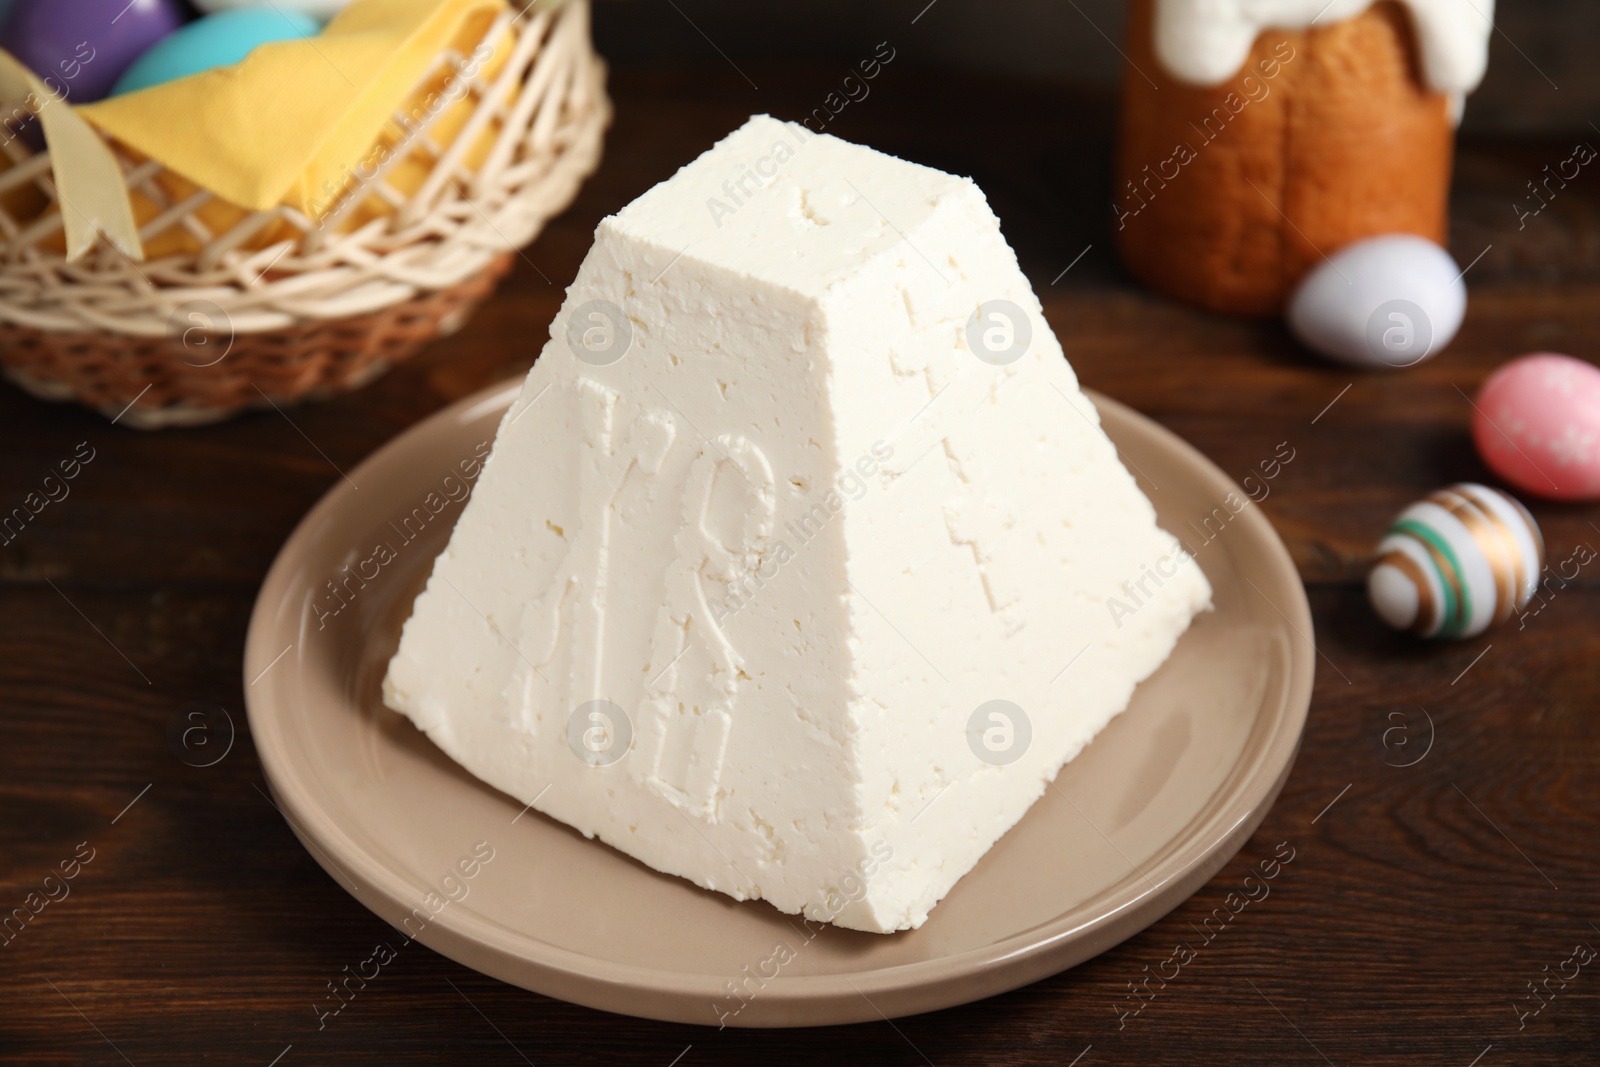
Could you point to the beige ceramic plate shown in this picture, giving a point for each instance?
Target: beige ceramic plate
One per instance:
(1160, 800)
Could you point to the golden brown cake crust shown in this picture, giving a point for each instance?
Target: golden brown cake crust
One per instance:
(1226, 196)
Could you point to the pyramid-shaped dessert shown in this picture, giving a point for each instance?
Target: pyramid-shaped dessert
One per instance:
(776, 571)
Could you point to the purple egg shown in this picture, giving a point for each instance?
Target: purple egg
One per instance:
(79, 48)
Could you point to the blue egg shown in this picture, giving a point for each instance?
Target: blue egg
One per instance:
(219, 40)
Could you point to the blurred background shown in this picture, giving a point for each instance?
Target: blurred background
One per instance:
(130, 602)
(1539, 45)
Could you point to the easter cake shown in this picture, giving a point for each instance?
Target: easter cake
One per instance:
(777, 560)
(1259, 136)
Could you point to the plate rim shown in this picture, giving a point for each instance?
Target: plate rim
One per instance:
(1196, 853)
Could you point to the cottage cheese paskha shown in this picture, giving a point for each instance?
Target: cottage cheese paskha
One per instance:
(800, 487)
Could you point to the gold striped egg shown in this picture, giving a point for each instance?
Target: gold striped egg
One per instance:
(1453, 564)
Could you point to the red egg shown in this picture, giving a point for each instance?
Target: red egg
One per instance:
(1537, 425)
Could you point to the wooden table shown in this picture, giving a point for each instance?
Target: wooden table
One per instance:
(1422, 901)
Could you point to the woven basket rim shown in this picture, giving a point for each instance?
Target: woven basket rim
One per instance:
(306, 317)
(548, 97)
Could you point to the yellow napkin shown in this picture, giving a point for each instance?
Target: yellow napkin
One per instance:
(283, 126)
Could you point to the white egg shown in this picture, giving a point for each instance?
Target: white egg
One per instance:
(321, 10)
(1389, 301)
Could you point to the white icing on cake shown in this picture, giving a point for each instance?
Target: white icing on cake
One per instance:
(1205, 42)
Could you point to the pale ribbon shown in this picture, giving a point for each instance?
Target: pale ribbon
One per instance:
(88, 182)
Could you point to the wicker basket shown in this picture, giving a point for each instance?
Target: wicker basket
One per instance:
(317, 308)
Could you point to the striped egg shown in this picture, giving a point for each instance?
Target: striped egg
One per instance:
(1457, 562)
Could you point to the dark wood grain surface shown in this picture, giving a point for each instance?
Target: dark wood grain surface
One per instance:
(1422, 901)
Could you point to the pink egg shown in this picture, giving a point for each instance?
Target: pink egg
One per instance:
(1537, 425)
